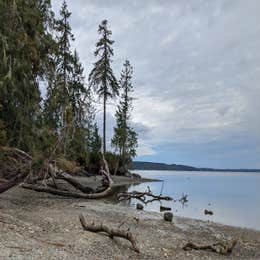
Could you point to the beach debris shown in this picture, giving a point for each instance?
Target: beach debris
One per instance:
(167, 216)
(139, 206)
(112, 232)
(208, 212)
(184, 199)
(163, 208)
(142, 196)
(223, 248)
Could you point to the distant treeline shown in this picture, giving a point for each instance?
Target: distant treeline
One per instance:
(138, 165)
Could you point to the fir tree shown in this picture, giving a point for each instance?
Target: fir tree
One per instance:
(25, 45)
(125, 138)
(102, 77)
(67, 106)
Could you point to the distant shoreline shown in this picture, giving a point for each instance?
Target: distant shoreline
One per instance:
(139, 165)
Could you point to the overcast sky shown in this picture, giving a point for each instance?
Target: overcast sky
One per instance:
(196, 75)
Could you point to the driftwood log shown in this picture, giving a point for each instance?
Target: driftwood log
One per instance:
(42, 188)
(142, 196)
(111, 232)
(72, 181)
(220, 247)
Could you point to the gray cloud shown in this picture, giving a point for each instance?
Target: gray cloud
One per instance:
(196, 69)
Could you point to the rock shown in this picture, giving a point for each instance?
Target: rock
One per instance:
(162, 208)
(139, 206)
(136, 176)
(167, 216)
(208, 212)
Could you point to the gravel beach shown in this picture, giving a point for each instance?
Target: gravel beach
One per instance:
(43, 226)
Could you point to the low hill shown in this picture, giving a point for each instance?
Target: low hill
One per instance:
(139, 165)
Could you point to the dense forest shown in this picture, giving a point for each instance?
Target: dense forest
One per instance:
(60, 127)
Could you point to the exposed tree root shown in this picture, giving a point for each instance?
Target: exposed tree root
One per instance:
(4, 186)
(111, 232)
(220, 248)
(17, 169)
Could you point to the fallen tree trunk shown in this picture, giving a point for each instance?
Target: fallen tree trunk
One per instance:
(220, 248)
(65, 176)
(111, 232)
(41, 188)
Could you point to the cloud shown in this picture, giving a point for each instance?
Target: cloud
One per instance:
(196, 73)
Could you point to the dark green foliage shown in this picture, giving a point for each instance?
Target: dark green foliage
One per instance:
(35, 53)
(102, 78)
(25, 48)
(125, 138)
(67, 107)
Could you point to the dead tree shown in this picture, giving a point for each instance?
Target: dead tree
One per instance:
(111, 232)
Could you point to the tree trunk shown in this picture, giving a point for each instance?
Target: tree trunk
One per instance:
(104, 125)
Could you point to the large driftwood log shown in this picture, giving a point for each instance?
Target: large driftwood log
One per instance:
(72, 181)
(220, 248)
(111, 232)
(41, 188)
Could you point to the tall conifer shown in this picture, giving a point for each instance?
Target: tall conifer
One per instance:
(102, 77)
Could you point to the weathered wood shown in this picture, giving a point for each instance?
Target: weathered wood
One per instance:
(142, 196)
(41, 188)
(67, 177)
(111, 232)
(220, 247)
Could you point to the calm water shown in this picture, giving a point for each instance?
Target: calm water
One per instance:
(233, 197)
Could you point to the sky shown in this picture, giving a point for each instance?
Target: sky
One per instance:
(196, 75)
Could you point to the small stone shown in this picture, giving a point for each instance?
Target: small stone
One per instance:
(139, 206)
(208, 212)
(167, 216)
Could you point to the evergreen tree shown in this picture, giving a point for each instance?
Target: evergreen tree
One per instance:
(67, 107)
(102, 77)
(125, 138)
(25, 45)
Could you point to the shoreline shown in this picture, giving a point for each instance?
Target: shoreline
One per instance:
(43, 226)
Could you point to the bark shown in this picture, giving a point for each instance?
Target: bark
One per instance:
(111, 232)
(104, 123)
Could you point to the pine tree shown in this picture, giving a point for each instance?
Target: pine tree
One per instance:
(102, 77)
(125, 138)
